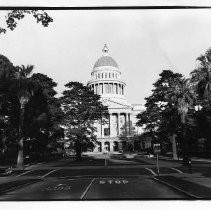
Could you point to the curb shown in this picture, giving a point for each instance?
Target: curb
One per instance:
(178, 189)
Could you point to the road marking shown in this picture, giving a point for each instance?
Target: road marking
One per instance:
(24, 173)
(113, 181)
(86, 190)
(153, 173)
(49, 173)
(177, 170)
(101, 176)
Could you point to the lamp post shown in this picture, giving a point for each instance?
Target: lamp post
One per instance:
(23, 99)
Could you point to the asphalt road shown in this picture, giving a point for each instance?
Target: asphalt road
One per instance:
(94, 188)
(123, 179)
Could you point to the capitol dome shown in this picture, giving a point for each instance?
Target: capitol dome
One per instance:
(106, 60)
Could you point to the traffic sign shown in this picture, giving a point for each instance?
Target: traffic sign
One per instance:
(156, 148)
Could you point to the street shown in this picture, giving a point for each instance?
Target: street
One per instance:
(123, 178)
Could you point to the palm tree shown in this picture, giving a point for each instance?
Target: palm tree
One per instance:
(182, 97)
(23, 88)
(201, 78)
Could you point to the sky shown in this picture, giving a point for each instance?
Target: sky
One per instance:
(143, 43)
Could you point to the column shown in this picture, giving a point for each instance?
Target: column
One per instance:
(101, 88)
(96, 88)
(102, 133)
(109, 124)
(118, 123)
(126, 123)
(111, 146)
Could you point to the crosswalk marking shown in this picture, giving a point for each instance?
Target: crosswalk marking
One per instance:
(26, 172)
(49, 173)
(153, 173)
(86, 190)
(177, 170)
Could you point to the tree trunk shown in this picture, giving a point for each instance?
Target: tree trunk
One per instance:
(20, 155)
(78, 150)
(20, 160)
(184, 146)
(174, 147)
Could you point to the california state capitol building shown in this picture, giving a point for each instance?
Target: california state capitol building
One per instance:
(117, 132)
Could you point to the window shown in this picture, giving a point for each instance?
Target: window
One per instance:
(106, 131)
(109, 75)
(113, 75)
(102, 75)
(98, 75)
(105, 75)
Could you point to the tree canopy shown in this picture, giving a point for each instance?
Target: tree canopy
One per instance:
(14, 16)
(82, 108)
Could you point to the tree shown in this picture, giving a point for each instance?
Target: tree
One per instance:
(8, 105)
(43, 112)
(182, 97)
(22, 87)
(14, 16)
(201, 81)
(160, 117)
(28, 109)
(82, 108)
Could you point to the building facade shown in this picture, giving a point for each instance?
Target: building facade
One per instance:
(116, 131)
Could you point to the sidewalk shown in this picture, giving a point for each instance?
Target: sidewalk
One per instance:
(199, 187)
(180, 159)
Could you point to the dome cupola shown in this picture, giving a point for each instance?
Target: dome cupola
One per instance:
(106, 78)
(105, 60)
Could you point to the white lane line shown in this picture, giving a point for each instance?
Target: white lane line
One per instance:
(24, 173)
(177, 170)
(49, 173)
(86, 190)
(153, 173)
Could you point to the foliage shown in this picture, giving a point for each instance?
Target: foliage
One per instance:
(160, 113)
(42, 110)
(82, 108)
(14, 16)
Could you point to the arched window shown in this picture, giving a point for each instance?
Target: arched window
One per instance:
(107, 146)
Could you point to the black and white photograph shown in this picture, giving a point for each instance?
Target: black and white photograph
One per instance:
(105, 102)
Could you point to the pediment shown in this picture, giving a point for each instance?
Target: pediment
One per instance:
(111, 104)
